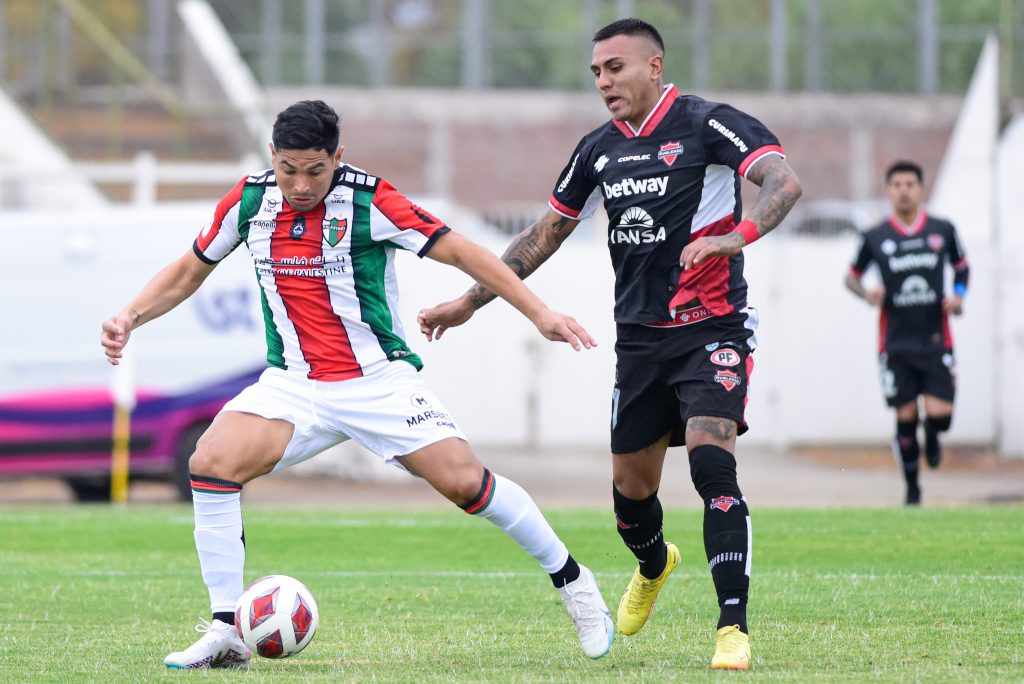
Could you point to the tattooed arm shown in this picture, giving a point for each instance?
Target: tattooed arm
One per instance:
(528, 251)
(780, 189)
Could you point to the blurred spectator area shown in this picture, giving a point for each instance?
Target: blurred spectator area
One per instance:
(433, 91)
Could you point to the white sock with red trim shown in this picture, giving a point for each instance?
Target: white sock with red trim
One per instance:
(220, 546)
(512, 509)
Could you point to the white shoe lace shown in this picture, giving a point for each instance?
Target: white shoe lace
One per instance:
(211, 634)
(582, 606)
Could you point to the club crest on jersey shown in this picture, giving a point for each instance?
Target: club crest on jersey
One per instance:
(669, 151)
(936, 242)
(334, 230)
(724, 503)
(725, 357)
(727, 379)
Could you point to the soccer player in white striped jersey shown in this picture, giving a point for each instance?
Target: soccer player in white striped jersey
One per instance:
(323, 237)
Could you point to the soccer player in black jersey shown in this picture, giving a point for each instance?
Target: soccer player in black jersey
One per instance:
(915, 346)
(668, 168)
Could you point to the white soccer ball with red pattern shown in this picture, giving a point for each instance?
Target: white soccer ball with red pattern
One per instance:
(276, 616)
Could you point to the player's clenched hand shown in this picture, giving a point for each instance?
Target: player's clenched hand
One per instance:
(561, 328)
(953, 304)
(708, 247)
(875, 296)
(114, 336)
(435, 320)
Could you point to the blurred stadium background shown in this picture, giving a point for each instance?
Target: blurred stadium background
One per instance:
(125, 120)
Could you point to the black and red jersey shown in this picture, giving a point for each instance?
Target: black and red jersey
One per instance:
(673, 180)
(911, 261)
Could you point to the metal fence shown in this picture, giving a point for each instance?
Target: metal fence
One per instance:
(922, 46)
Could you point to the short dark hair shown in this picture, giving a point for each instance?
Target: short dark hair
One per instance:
(904, 166)
(630, 27)
(307, 125)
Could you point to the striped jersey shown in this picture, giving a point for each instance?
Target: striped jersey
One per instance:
(327, 277)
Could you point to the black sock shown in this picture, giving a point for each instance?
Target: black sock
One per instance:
(226, 617)
(639, 523)
(727, 538)
(932, 427)
(570, 572)
(909, 450)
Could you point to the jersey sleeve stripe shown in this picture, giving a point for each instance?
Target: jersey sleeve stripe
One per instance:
(199, 253)
(567, 212)
(960, 265)
(433, 238)
(757, 154)
(855, 273)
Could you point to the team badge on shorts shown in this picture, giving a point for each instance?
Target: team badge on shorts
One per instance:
(727, 379)
(724, 503)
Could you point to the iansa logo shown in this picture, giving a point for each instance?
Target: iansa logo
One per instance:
(636, 226)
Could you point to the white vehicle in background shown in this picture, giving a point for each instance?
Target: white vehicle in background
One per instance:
(67, 271)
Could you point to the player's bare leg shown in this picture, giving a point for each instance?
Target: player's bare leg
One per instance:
(636, 477)
(235, 449)
(938, 416)
(907, 449)
(451, 468)
(711, 443)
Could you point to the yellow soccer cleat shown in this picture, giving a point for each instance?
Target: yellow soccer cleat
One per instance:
(638, 601)
(732, 650)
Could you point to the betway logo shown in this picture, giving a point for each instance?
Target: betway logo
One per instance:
(632, 186)
(911, 261)
(736, 140)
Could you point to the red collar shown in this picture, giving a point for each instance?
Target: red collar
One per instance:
(668, 96)
(905, 230)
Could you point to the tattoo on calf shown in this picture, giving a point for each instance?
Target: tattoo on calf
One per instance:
(720, 428)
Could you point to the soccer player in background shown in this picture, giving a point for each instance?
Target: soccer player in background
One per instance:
(668, 167)
(323, 237)
(915, 345)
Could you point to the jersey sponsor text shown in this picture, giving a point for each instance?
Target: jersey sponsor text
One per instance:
(632, 186)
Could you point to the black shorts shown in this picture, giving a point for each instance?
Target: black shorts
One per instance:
(664, 376)
(907, 375)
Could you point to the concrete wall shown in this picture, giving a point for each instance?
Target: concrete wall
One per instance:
(815, 377)
(491, 150)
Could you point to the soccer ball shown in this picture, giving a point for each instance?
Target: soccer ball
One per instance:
(276, 616)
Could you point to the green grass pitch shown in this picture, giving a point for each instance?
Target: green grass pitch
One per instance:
(96, 593)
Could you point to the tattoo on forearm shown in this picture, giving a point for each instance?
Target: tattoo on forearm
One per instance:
(720, 428)
(780, 190)
(527, 252)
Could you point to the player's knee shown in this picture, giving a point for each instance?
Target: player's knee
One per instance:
(938, 423)
(713, 470)
(210, 461)
(462, 484)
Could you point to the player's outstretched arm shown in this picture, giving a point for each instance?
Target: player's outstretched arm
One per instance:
(874, 297)
(171, 286)
(524, 255)
(780, 189)
(488, 270)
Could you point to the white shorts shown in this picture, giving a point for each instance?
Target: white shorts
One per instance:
(391, 412)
